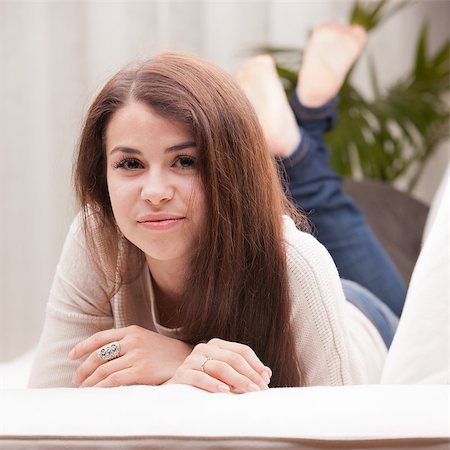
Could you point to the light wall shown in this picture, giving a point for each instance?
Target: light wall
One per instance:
(54, 56)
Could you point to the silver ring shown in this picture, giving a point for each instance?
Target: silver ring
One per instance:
(109, 351)
(208, 358)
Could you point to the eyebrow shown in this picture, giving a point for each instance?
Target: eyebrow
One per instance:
(133, 151)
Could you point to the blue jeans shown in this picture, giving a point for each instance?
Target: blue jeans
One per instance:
(373, 308)
(338, 223)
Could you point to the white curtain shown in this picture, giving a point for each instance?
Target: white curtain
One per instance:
(55, 55)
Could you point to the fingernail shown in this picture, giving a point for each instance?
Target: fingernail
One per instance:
(253, 387)
(70, 355)
(223, 388)
(266, 377)
(268, 371)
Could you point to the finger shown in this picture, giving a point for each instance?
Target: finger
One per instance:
(200, 380)
(103, 371)
(121, 378)
(223, 372)
(246, 352)
(96, 341)
(240, 365)
(91, 364)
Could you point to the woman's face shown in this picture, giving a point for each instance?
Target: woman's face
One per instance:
(154, 185)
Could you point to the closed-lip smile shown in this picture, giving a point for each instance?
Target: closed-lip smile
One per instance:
(160, 221)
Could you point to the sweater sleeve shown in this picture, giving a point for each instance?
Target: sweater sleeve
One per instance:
(78, 307)
(320, 316)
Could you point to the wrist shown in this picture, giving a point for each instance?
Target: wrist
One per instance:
(178, 353)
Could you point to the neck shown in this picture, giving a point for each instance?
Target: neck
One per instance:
(168, 288)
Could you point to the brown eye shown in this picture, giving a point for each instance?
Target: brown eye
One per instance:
(185, 162)
(129, 164)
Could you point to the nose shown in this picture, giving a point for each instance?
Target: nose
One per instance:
(157, 188)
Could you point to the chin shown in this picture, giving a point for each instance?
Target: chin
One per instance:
(163, 253)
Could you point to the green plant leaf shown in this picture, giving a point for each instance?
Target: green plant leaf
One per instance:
(372, 14)
(400, 127)
(421, 53)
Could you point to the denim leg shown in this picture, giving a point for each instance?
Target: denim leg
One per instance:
(373, 308)
(338, 223)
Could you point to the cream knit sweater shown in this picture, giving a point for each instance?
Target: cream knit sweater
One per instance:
(335, 342)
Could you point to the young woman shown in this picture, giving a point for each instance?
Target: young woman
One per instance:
(185, 264)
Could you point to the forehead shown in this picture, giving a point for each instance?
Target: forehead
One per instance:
(140, 123)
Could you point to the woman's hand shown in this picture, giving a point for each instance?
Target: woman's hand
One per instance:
(145, 357)
(222, 366)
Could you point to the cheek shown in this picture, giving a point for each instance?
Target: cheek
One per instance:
(120, 195)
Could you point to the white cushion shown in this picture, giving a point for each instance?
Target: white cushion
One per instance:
(14, 374)
(339, 413)
(420, 351)
(436, 203)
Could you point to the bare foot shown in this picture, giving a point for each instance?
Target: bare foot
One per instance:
(259, 80)
(329, 53)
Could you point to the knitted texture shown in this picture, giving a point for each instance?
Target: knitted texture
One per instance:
(335, 342)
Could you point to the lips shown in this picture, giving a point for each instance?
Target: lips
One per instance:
(159, 218)
(160, 222)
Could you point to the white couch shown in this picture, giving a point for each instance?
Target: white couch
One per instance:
(409, 409)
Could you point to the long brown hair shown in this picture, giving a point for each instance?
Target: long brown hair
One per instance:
(238, 287)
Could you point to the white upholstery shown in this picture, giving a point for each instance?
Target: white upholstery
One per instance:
(351, 412)
(436, 203)
(420, 352)
(14, 374)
